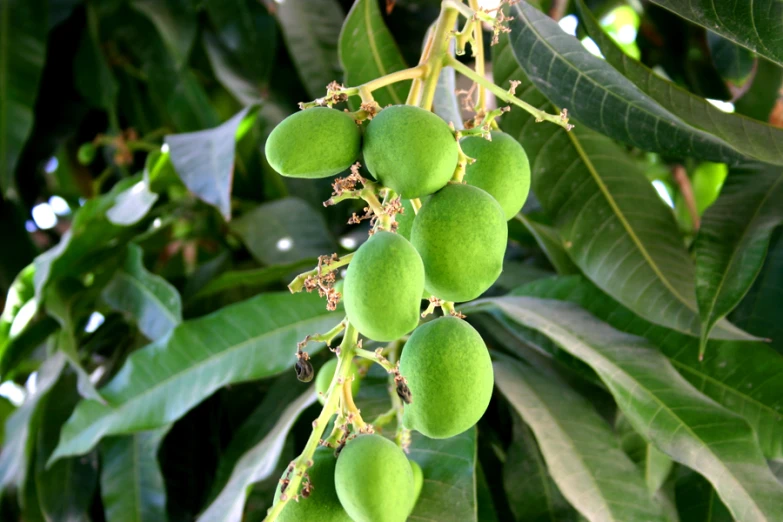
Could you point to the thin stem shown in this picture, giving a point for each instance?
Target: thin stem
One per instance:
(376, 357)
(415, 92)
(478, 52)
(561, 119)
(333, 395)
(680, 176)
(298, 283)
(416, 204)
(440, 47)
(366, 89)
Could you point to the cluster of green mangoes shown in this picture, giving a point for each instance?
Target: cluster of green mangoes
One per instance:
(371, 481)
(452, 249)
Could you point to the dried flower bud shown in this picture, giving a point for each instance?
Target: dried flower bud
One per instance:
(304, 370)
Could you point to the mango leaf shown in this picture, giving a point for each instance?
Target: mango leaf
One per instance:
(697, 500)
(249, 340)
(658, 401)
(151, 300)
(655, 464)
(21, 426)
(93, 77)
(532, 493)
(599, 96)
(91, 238)
(133, 203)
(132, 488)
(733, 240)
(743, 377)
(65, 490)
(756, 25)
(600, 201)
(22, 56)
(176, 23)
(260, 460)
(747, 136)
(550, 242)
(311, 30)
(762, 95)
(581, 452)
(759, 311)
(449, 470)
(19, 302)
(284, 231)
(367, 51)
(205, 161)
(734, 63)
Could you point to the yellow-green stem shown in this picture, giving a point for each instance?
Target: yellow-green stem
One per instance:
(440, 47)
(505, 95)
(479, 54)
(333, 395)
(298, 283)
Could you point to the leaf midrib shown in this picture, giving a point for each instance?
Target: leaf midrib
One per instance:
(661, 405)
(135, 282)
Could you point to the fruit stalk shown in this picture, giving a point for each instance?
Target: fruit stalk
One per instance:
(440, 47)
(506, 96)
(297, 285)
(478, 52)
(333, 395)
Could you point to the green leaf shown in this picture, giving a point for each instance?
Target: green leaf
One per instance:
(598, 96)
(759, 311)
(23, 34)
(734, 63)
(92, 76)
(550, 242)
(133, 203)
(229, 74)
(659, 402)
(532, 493)
(132, 488)
(655, 464)
(243, 282)
(259, 461)
(311, 30)
(747, 136)
(449, 470)
(22, 426)
(245, 341)
(614, 226)
(176, 23)
(284, 231)
(743, 377)
(91, 238)
(762, 95)
(697, 501)
(733, 240)
(151, 300)
(581, 452)
(205, 161)
(756, 24)
(19, 302)
(65, 490)
(367, 51)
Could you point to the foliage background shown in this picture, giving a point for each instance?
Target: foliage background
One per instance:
(151, 338)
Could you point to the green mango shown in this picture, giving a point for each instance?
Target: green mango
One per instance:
(449, 372)
(383, 287)
(418, 481)
(324, 378)
(374, 480)
(501, 168)
(405, 219)
(461, 235)
(322, 504)
(314, 143)
(410, 150)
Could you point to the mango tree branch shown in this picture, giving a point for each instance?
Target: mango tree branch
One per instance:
(478, 52)
(334, 393)
(440, 46)
(561, 119)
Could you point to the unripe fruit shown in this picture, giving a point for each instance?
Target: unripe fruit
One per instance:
(314, 143)
(322, 504)
(324, 379)
(86, 153)
(383, 287)
(501, 168)
(418, 481)
(461, 234)
(410, 150)
(449, 372)
(374, 481)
